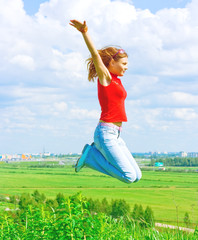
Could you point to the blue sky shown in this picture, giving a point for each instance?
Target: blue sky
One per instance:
(31, 7)
(46, 100)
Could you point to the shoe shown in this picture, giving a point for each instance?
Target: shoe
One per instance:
(81, 161)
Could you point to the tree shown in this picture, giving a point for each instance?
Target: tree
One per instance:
(138, 212)
(25, 201)
(105, 207)
(50, 203)
(187, 219)
(39, 198)
(90, 204)
(120, 208)
(97, 207)
(135, 213)
(60, 198)
(149, 216)
(14, 199)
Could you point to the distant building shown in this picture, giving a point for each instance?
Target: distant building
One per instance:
(159, 164)
(62, 163)
(193, 154)
(183, 154)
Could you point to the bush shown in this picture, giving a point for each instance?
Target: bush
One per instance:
(3, 198)
(69, 220)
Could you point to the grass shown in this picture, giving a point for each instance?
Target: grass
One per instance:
(169, 194)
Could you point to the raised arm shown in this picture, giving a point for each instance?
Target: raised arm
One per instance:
(102, 71)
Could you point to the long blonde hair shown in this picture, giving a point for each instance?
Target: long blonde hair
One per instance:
(106, 55)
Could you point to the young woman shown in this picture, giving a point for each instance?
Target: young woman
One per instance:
(108, 154)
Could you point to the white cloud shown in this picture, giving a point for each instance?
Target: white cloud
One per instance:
(81, 114)
(12, 12)
(24, 61)
(60, 106)
(186, 114)
(139, 85)
(193, 8)
(183, 99)
(71, 65)
(17, 118)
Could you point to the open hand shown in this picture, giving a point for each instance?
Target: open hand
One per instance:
(82, 27)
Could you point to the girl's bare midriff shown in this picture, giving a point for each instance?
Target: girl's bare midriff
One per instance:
(119, 124)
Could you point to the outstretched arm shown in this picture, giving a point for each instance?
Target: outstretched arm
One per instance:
(102, 71)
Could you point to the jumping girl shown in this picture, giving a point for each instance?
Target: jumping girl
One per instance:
(108, 154)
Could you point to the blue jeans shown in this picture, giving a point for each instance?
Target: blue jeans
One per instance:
(110, 155)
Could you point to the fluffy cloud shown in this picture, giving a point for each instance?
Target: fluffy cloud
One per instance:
(24, 61)
(84, 114)
(186, 114)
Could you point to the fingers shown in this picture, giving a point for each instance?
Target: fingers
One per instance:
(75, 22)
(72, 23)
(82, 27)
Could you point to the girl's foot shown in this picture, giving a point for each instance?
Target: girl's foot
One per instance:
(81, 161)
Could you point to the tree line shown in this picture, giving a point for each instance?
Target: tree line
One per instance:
(116, 208)
(177, 161)
(75, 217)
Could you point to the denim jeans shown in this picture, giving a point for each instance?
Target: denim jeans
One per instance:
(110, 155)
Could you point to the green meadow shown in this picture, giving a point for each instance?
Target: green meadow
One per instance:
(169, 194)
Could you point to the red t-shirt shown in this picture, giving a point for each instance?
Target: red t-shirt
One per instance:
(111, 99)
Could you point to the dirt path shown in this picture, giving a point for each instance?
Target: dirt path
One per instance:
(174, 227)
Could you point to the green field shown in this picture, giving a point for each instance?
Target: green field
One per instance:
(169, 194)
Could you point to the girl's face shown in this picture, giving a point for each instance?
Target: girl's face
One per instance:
(118, 67)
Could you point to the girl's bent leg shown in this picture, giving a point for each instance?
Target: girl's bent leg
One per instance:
(108, 156)
(94, 158)
(97, 161)
(131, 159)
(116, 159)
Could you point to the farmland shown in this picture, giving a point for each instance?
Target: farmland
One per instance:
(169, 194)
